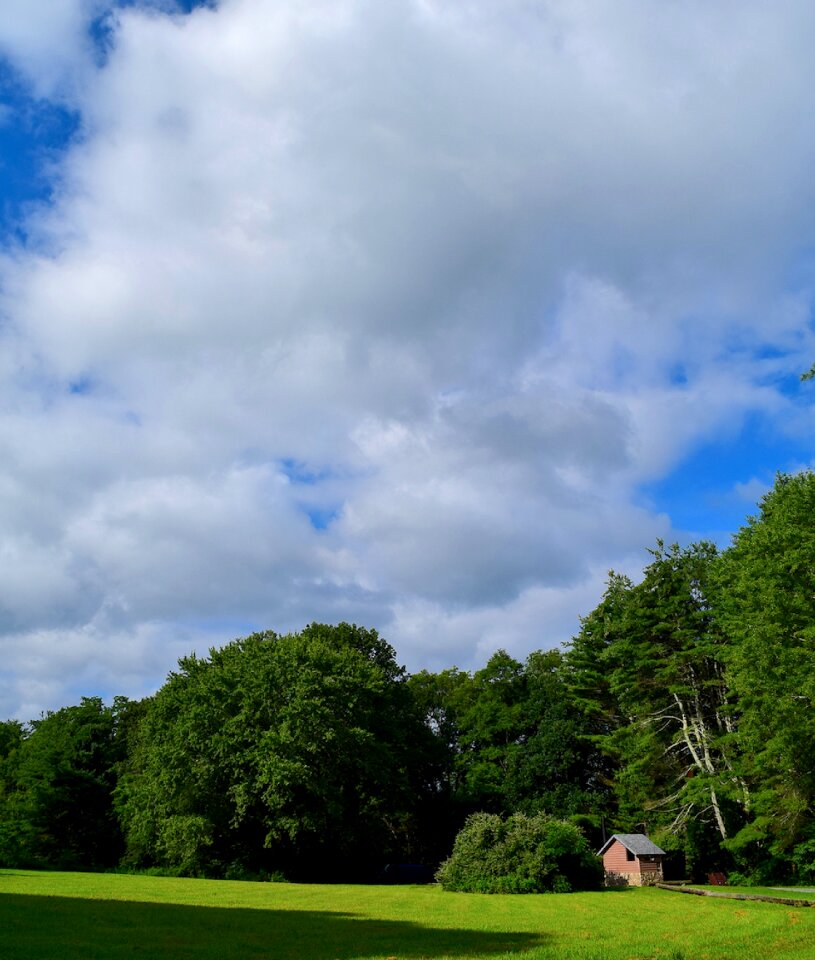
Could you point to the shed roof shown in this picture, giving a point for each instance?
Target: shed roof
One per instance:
(637, 843)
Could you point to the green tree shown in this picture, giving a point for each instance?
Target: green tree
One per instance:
(12, 841)
(302, 753)
(12, 734)
(58, 804)
(668, 674)
(662, 710)
(766, 604)
(491, 725)
(510, 739)
(554, 768)
(588, 675)
(439, 699)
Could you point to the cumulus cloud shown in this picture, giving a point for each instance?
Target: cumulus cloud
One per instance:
(383, 312)
(49, 42)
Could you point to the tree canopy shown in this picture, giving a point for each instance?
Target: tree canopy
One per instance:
(296, 753)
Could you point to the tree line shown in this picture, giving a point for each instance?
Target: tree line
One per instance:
(683, 708)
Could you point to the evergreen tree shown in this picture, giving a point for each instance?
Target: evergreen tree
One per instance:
(662, 710)
(766, 605)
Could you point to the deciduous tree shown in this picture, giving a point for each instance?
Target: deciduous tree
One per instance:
(301, 753)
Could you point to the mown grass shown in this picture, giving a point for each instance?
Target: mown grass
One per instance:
(108, 917)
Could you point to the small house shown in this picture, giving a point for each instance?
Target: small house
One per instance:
(631, 859)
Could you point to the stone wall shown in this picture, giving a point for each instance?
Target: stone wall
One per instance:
(615, 879)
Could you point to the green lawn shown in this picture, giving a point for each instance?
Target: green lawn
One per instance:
(68, 916)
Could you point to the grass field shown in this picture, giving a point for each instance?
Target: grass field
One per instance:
(68, 916)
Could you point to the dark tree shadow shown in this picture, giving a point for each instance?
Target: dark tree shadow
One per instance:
(64, 928)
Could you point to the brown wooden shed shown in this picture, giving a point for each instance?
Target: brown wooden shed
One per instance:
(631, 859)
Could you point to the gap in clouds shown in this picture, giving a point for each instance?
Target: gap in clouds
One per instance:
(704, 497)
(35, 134)
(711, 492)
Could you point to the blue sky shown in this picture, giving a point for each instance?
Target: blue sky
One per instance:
(705, 496)
(33, 136)
(420, 315)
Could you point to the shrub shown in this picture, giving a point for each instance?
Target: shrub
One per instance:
(521, 854)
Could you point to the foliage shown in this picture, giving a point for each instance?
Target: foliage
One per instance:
(554, 767)
(663, 713)
(56, 803)
(766, 605)
(510, 739)
(491, 723)
(519, 854)
(301, 752)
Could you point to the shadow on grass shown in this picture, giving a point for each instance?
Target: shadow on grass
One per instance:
(42, 928)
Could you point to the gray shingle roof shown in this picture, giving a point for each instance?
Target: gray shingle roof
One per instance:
(637, 843)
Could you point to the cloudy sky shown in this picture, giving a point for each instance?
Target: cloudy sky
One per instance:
(421, 314)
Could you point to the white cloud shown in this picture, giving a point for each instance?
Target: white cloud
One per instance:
(383, 311)
(752, 490)
(49, 42)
